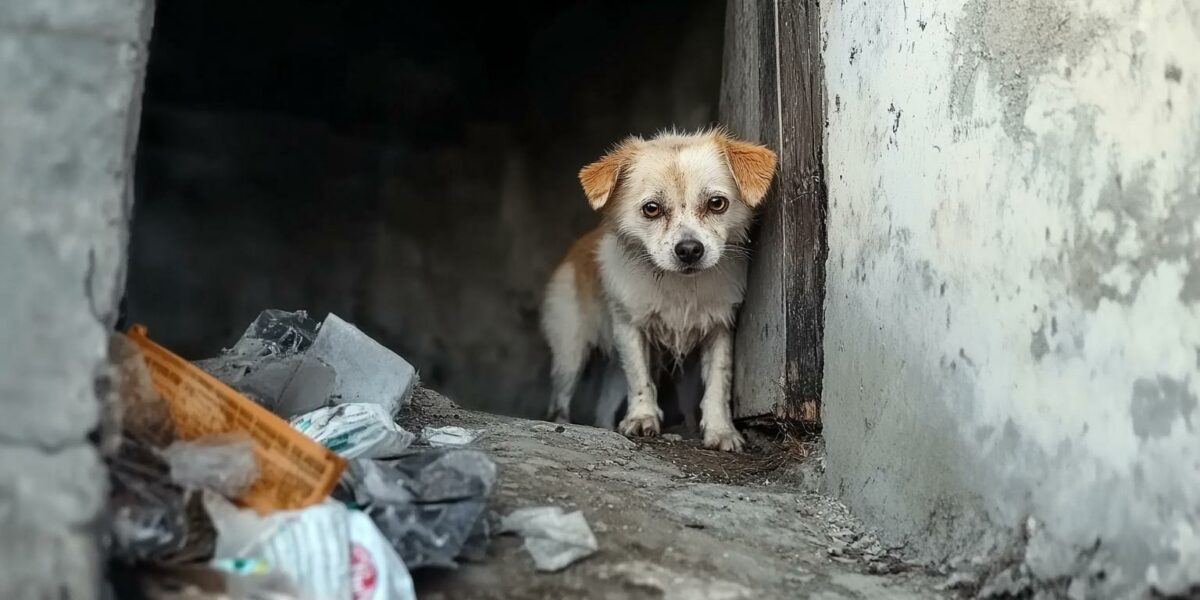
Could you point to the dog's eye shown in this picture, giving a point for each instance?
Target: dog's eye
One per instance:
(718, 204)
(652, 210)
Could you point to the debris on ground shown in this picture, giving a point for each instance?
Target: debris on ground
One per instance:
(428, 504)
(328, 550)
(294, 470)
(193, 581)
(222, 463)
(151, 517)
(291, 365)
(450, 435)
(356, 430)
(366, 370)
(729, 527)
(345, 503)
(214, 494)
(269, 364)
(553, 538)
(676, 586)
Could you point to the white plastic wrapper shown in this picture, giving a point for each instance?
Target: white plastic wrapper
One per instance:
(328, 551)
(355, 430)
(450, 435)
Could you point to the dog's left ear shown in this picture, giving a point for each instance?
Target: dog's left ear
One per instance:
(753, 167)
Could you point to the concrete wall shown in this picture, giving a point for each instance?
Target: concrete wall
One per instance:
(417, 185)
(71, 73)
(1013, 312)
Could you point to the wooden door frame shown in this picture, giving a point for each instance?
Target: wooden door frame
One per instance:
(772, 92)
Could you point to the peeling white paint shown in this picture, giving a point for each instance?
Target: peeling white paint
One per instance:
(1007, 326)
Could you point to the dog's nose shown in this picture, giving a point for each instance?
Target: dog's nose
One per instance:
(689, 251)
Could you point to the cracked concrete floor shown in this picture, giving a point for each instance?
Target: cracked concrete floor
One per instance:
(666, 529)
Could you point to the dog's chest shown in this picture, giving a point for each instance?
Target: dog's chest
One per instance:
(676, 313)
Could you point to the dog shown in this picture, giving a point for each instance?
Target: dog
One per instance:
(662, 276)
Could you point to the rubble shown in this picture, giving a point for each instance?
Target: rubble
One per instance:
(291, 365)
(553, 538)
(221, 463)
(268, 364)
(366, 370)
(294, 471)
(428, 504)
(450, 435)
(152, 518)
(677, 586)
(215, 495)
(403, 506)
(328, 551)
(356, 430)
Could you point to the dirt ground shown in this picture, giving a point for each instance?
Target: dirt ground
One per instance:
(673, 520)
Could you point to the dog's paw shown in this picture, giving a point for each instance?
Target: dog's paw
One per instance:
(725, 440)
(643, 425)
(554, 415)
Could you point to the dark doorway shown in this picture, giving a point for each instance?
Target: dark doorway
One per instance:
(408, 166)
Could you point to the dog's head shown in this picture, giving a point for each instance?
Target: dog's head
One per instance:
(686, 199)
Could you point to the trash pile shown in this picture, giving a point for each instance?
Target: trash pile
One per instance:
(278, 470)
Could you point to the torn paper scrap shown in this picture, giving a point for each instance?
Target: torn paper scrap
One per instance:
(553, 538)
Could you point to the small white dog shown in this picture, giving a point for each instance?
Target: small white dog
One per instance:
(663, 275)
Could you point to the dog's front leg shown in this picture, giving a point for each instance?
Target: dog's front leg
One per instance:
(642, 417)
(717, 369)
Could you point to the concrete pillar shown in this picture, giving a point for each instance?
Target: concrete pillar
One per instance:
(71, 76)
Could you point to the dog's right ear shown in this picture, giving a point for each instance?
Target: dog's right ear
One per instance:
(600, 178)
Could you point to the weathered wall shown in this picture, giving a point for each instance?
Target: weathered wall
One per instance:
(70, 85)
(407, 166)
(1013, 308)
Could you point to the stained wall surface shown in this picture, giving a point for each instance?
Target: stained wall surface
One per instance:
(1013, 312)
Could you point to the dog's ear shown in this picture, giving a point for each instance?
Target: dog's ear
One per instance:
(600, 178)
(753, 167)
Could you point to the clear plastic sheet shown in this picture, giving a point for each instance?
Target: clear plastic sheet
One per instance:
(222, 463)
(152, 518)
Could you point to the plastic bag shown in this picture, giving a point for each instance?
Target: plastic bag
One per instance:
(268, 364)
(355, 430)
(428, 505)
(223, 463)
(152, 518)
(328, 550)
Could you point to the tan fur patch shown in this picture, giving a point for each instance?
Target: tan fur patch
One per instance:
(582, 258)
(753, 167)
